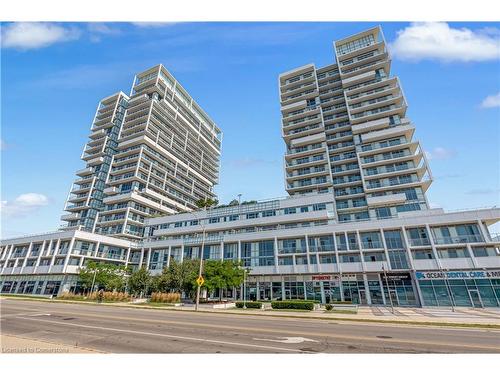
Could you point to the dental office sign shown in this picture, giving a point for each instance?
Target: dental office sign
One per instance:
(458, 275)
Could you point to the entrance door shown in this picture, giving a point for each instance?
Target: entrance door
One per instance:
(475, 298)
(393, 297)
(362, 297)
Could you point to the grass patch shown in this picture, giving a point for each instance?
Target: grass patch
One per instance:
(334, 311)
(26, 296)
(157, 304)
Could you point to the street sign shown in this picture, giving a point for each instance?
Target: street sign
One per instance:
(200, 280)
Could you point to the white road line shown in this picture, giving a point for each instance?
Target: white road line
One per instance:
(164, 335)
(287, 340)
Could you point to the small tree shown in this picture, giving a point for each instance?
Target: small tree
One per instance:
(105, 275)
(139, 281)
(222, 275)
(206, 203)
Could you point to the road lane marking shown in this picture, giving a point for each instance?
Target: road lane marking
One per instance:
(165, 335)
(287, 332)
(288, 340)
(253, 317)
(249, 318)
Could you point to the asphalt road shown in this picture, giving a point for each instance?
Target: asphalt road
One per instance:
(130, 330)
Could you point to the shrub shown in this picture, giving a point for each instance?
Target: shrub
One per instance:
(71, 296)
(328, 307)
(110, 296)
(341, 302)
(294, 305)
(165, 297)
(249, 304)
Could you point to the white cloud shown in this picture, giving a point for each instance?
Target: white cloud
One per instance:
(491, 101)
(98, 29)
(439, 153)
(153, 24)
(439, 41)
(23, 205)
(32, 35)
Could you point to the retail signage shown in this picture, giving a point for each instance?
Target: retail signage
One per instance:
(458, 275)
(396, 276)
(321, 277)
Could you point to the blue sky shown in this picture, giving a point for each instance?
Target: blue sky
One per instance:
(53, 76)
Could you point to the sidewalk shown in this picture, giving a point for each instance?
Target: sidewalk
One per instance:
(465, 316)
(20, 345)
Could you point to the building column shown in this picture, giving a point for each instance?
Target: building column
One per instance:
(276, 266)
(307, 254)
(367, 290)
(484, 231)
(70, 249)
(168, 256)
(382, 288)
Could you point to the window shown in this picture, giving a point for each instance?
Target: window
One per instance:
(393, 239)
(252, 215)
(383, 212)
(374, 257)
(213, 220)
(485, 252)
(269, 213)
(290, 210)
(319, 206)
(422, 254)
(327, 259)
(398, 259)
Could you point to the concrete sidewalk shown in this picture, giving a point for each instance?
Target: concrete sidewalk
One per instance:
(382, 314)
(19, 345)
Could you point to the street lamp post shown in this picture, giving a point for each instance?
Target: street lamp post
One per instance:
(388, 290)
(198, 289)
(93, 281)
(244, 288)
(452, 299)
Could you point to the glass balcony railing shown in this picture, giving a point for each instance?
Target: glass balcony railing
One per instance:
(458, 239)
(419, 241)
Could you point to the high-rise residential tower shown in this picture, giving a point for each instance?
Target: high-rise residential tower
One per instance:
(155, 152)
(347, 134)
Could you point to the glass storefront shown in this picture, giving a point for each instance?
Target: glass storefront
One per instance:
(467, 293)
(398, 289)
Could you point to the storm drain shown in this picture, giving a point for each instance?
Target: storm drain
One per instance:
(384, 337)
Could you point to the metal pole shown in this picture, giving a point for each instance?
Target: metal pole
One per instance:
(388, 290)
(93, 281)
(201, 267)
(452, 300)
(244, 288)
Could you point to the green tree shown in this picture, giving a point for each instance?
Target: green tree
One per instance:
(206, 203)
(222, 275)
(139, 281)
(179, 277)
(102, 275)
